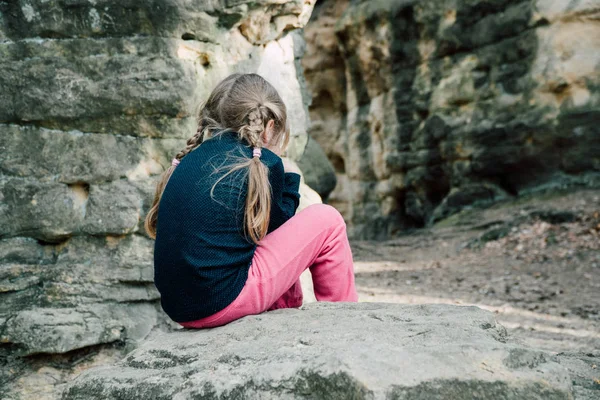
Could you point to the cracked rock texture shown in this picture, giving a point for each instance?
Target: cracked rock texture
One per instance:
(96, 97)
(341, 351)
(428, 107)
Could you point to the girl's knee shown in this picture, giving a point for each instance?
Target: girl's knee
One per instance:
(326, 214)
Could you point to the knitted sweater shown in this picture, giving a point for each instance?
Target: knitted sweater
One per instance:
(201, 254)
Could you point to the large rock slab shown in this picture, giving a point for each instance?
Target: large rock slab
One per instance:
(335, 351)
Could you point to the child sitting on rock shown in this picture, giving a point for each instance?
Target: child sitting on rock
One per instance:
(227, 241)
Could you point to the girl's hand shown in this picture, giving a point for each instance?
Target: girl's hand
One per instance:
(290, 166)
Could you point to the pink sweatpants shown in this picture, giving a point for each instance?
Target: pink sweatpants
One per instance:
(314, 238)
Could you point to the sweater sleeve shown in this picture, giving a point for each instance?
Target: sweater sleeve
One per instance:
(285, 200)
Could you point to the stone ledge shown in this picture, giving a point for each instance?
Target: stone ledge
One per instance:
(336, 350)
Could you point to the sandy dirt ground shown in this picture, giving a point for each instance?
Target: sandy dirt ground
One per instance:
(534, 262)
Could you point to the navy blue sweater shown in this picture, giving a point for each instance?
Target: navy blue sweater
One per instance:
(201, 253)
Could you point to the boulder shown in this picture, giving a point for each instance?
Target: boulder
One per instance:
(337, 351)
(317, 170)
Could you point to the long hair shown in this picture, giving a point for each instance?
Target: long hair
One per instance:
(244, 103)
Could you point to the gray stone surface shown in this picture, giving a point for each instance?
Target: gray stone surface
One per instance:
(59, 330)
(82, 292)
(317, 170)
(583, 368)
(75, 157)
(428, 107)
(336, 351)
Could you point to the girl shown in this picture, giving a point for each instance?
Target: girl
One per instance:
(227, 241)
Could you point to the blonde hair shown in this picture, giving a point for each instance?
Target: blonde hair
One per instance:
(244, 103)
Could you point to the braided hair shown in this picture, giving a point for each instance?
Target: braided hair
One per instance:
(245, 103)
(207, 125)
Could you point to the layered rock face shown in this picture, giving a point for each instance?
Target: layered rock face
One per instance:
(96, 98)
(425, 108)
(342, 351)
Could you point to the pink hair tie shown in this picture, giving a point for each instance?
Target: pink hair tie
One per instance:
(175, 162)
(257, 152)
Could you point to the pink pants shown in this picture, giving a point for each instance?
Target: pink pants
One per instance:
(314, 238)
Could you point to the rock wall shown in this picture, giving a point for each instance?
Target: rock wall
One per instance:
(425, 108)
(324, 70)
(96, 98)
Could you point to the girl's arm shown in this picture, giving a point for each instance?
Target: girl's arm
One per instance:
(285, 196)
